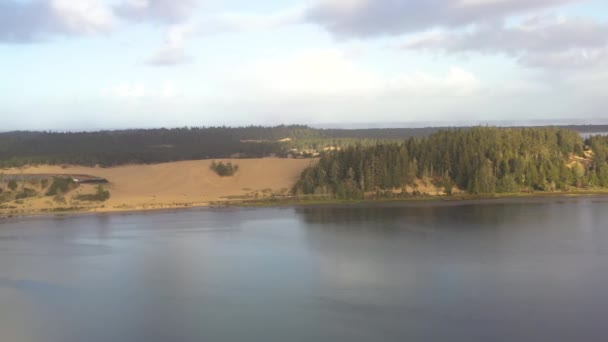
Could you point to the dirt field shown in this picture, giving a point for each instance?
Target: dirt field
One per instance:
(178, 184)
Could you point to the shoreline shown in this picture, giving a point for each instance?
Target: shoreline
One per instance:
(461, 199)
(295, 203)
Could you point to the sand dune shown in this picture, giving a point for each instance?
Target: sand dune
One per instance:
(184, 183)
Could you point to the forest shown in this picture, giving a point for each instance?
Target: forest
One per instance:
(479, 160)
(147, 146)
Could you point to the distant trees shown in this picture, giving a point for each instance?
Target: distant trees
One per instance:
(110, 148)
(12, 185)
(479, 160)
(224, 170)
(139, 146)
(483, 180)
(26, 193)
(599, 149)
(100, 195)
(61, 185)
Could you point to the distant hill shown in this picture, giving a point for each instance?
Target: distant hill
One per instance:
(146, 146)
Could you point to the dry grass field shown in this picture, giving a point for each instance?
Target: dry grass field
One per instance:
(173, 185)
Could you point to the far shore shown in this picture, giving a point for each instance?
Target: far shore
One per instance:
(439, 200)
(175, 185)
(422, 201)
(264, 182)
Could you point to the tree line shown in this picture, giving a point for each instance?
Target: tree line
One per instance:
(479, 160)
(145, 146)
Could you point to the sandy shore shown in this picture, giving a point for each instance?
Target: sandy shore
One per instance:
(169, 185)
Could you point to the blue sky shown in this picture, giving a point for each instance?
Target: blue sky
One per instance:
(99, 64)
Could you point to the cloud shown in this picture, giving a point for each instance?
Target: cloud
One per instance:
(137, 91)
(536, 42)
(368, 18)
(84, 16)
(331, 85)
(248, 22)
(327, 73)
(171, 11)
(173, 51)
(127, 91)
(36, 20)
(21, 22)
(571, 59)
(28, 21)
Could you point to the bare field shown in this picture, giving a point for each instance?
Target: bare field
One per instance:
(177, 184)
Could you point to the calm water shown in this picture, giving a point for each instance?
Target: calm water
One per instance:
(530, 271)
(587, 135)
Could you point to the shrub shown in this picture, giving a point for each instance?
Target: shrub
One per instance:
(224, 170)
(61, 186)
(26, 193)
(12, 184)
(5, 197)
(101, 195)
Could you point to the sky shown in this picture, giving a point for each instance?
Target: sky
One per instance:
(109, 64)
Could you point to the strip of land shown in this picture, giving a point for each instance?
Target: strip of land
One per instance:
(469, 164)
(160, 186)
(190, 184)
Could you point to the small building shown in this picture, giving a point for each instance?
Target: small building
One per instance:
(84, 179)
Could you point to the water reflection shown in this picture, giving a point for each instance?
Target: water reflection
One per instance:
(499, 271)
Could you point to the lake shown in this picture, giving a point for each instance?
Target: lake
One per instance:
(587, 135)
(508, 270)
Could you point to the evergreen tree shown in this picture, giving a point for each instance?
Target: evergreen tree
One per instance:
(479, 160)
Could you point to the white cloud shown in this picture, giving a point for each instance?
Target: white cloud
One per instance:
(368, 18)
(125, 91)
(173, 51)
(169, 91)
(83, 16)
(138, 91)
(34, 20)
(26, 21)
(250, 22)
(550, 42)
(160, 10)
(137, 5)
(327, 86)
(329, 72)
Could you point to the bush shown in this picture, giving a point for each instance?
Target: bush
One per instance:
(61, 186)
(5, 197)
(26, 193)
(224, 170)
(12, 184)
(101, 195)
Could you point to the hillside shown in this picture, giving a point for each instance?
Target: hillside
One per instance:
(168, 185)
(481, 160)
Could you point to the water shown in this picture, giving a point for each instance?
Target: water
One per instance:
(516, 270)
(587, 135)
